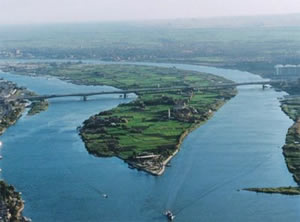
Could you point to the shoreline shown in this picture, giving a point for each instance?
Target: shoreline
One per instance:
(292, 191)
(11, 123)
(11, 204)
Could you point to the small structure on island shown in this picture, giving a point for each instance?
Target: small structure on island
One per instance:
(146, 156)
(179, 106)
(169, 113)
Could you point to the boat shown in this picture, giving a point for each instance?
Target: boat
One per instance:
(105, 195)
(170, 215)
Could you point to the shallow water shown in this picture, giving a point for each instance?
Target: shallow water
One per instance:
(239, 147)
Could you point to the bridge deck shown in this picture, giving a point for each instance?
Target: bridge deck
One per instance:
(145, 90)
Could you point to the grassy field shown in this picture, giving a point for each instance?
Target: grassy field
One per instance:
(142, 127)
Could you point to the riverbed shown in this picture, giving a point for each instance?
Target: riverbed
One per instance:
(240, 147)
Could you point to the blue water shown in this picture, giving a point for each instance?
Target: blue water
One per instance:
(239, 147)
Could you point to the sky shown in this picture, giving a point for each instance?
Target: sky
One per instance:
(53, 11)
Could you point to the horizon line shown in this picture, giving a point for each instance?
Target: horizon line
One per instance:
(137, 20)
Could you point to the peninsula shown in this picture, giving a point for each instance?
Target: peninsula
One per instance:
(146, 132)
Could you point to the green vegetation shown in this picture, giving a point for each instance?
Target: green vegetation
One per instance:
(142, 128)
(143, 125)
(37, 107)
(10, 118)
(279, 190)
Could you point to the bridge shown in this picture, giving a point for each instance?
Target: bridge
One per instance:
(145, 90)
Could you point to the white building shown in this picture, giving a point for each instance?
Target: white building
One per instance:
(290, 70)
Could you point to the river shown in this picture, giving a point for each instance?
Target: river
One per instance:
(240, 147)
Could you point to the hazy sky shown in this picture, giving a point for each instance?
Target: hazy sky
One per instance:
(40, 11)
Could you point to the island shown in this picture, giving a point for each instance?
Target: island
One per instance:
(291, 150)
(148, 131)
(38, 106)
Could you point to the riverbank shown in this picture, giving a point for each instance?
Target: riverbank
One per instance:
(291, 149)
(147, 132)
(10, 110)
(11, 204)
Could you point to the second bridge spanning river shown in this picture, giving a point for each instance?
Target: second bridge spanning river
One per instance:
(145, 90)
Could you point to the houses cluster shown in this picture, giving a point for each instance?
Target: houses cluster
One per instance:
(7, 90)
(287, 71)
(12, 53)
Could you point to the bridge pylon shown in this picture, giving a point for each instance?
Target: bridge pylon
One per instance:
(84, 98)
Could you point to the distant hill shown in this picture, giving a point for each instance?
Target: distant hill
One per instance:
(236, 21)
